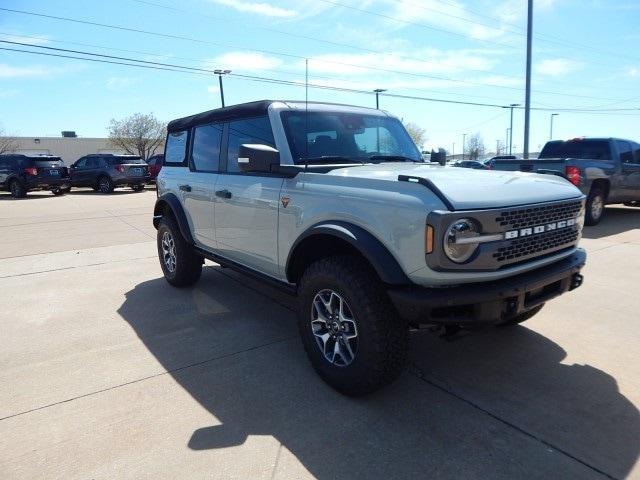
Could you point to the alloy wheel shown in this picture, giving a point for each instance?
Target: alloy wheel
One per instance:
(334, 328)
(597, 206)
(169, 252)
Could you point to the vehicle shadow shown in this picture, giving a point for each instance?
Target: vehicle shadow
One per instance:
(617, 219)
(118, 191)
(495, 404)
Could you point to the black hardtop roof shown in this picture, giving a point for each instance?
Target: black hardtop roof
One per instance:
(232, 112)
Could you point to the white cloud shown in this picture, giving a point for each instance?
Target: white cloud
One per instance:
(258, 8)
(213, 89)
(557, 67)
(31, 40)
(244, 61)
(8, 71)
(633, 72)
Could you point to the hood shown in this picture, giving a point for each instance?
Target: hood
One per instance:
(469, 189)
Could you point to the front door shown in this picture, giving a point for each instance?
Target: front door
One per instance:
(630, 161)
(246, 205)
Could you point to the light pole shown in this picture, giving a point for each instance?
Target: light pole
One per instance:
(527, 93)
(378, 92)
(551, 126)
(510, 129)
(506, 139)
(464, 136)
(453, 151)
(220, 73)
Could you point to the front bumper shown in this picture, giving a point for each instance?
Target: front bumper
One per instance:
(488, 302)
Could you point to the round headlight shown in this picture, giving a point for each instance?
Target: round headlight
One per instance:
(458, 240)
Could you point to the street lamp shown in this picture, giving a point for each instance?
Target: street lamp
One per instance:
(551, 126)
(220, 73)
(378, 92)
(511, 106)
(464, 136)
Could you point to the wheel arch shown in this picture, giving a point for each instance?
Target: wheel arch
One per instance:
(168, 204)
(335, 238)
(603, 184)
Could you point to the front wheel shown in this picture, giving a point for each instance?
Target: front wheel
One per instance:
(351, 332)
(595, 206)
(58, 191)
(137, 188)
(180, 265)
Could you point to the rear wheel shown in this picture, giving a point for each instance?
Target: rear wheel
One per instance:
(595, 206)
(180, 265)
(58, 191)
(17, 188)
(351, 332)
(105, 184)
(634, 203)
(523, 317)
(137, 188)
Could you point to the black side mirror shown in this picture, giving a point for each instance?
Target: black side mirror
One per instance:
(440, 156)
(258, 158)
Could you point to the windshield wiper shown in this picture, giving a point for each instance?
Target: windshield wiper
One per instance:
(328, 159)
(393, 158)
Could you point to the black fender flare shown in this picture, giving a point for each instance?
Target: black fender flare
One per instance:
(383, 262)
(171, 201)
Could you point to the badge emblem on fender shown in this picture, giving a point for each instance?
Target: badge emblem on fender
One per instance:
(285, 201)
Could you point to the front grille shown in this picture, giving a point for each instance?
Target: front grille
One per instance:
(532, 216)
(542, 243)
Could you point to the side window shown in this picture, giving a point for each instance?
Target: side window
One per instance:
(626, 154)
(176, 148)
(82, 163)
(251, 130)
(636, 153)
(206, 147)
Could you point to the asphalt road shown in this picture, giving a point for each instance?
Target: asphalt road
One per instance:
(108, 372)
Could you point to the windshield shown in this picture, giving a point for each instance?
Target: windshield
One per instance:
(587, 149)
(351, 136)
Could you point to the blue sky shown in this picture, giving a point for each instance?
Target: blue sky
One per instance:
(585, 57)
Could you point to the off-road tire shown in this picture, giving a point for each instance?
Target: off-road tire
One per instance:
(591, 218)
(382, 335)
(137, 188)
(523, 317)
(105, 184)
(17, 189)
(188, 264)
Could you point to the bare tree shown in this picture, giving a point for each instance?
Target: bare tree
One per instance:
(7, 142)
(475, 146)
(417, 134)
(138, 134)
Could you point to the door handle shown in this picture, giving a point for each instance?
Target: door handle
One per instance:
(185, 188)
(223, 193)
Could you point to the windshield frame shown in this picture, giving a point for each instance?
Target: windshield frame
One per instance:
(297, 158)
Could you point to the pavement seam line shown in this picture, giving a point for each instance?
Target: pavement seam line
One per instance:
(419, 374)
(77, 266)
(148, 377)
(73, 250)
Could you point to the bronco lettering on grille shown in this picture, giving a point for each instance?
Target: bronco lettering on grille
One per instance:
(527, 232)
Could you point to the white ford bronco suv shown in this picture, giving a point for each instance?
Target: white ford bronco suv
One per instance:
(334, 204)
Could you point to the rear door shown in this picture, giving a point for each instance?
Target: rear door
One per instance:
(4, 170)
(630, 160)
(79, 173)
(246, 204)
(197, 192)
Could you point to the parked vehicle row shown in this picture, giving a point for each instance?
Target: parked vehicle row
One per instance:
(20, 174)
(606, 170)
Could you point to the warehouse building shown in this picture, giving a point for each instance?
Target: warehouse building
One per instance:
(69, 147)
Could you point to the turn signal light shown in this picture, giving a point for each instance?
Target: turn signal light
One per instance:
(120, 168)
(573, 174)
(428, 239)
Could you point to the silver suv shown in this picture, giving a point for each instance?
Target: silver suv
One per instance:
(333, 203)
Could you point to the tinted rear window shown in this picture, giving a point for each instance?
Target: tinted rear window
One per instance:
(40, 162)
(590, 149)
(124, 160)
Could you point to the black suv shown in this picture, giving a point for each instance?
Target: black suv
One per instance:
(21, 173)
(104, 172)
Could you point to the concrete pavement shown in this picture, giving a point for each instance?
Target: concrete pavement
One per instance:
(108, 372)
